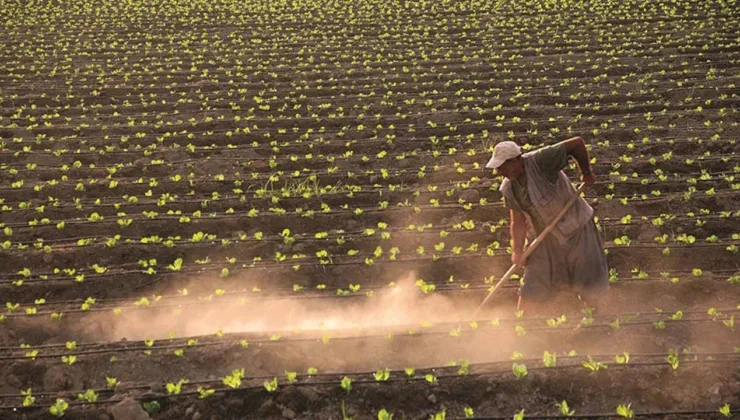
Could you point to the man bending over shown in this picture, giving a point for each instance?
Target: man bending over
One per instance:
(535, 189)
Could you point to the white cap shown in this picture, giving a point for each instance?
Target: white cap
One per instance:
(503, 152)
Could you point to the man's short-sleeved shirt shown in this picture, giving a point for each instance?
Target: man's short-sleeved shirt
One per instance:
(551, 160)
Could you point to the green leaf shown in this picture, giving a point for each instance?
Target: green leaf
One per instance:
(625, 411)
(58, 408)
(347, 384)
(520, 370)
(564, 409)
(549, 359)
(383, 414)
(271, 386)
(291, 376)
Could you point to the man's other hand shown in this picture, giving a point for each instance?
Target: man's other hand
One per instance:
(589, 179)
(518, 259)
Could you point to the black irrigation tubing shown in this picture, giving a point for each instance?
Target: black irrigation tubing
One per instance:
(214, 108)
(441, 129)
(480, 39)
(313, 87)
(401, 333)
(247, 18)
(487, 126)
(378, 66)
(480, 67)
(375, 209)
(214, 154)
(264, 180)
(110, 28)
(650, 95)
(532, 89)
(647, 98)
(602, 415)
(263, 177)
(475, 70)
(705, 357)
(71, 242)
(479, 154)
(106, 305)
(110, 347)
(328, 50)
(458, 140)
(334, 383)
(716, 177)
(402, 29)
(289, 293)
(327, 57)
(476, 39)
(531, 320)
(418, 127)
(180, 305)
(226, 198)
(307, 261)
(459, 143)
(443, 286)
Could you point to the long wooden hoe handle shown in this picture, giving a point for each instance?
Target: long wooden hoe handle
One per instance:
(538, 240)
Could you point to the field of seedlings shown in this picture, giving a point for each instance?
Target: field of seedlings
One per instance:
(269, 209)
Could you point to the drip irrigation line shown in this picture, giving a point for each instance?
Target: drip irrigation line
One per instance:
(443, 287)
(305, 262)
(482, 368)
(401, 30)
(353, 160)
(374, 69)
(609, 223)
(391, 380)
(459, 140)
(603, 415)
(374, 209)
(247, 21)
(106, 305)
(641, 107)
(437, 332)
(483, 40)
(480, 67)
(373, 189)
(489, 126)
(365, 189)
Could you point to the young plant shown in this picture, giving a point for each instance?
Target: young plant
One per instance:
(625, 411)
(346, 384)
(271, 386)
(383, 414)
(564, 408)
(59, 408)
(520, 370)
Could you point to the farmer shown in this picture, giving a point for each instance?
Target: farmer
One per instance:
(535, 189)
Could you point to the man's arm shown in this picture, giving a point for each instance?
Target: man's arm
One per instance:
(518, 232)
(576, 147)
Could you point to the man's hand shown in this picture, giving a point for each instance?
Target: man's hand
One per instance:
(589, 179)
(518, 259)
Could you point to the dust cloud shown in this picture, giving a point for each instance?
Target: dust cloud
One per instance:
(400, 307)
